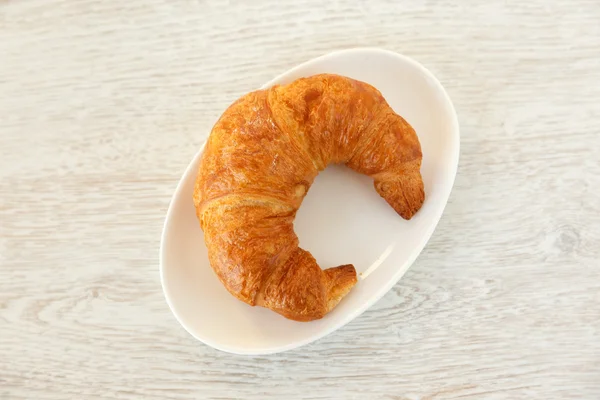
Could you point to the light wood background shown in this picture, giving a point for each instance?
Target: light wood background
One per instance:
(104, 103)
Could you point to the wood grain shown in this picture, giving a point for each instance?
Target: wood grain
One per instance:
(103, 104)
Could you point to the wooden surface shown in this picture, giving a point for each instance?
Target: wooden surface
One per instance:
(104, 103)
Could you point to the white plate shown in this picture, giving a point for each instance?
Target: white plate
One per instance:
(342, 220)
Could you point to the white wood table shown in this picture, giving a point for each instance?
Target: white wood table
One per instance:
(104, 103)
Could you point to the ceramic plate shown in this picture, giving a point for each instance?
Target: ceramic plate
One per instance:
(341, 221)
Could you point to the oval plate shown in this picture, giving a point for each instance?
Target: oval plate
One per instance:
(342, 219)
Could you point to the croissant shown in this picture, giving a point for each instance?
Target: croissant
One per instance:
(260, 160)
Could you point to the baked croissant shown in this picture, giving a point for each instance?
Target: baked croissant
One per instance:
(259, 162)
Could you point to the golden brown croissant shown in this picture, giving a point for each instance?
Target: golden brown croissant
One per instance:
(260, 160)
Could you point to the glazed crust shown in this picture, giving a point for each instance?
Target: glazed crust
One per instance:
(260, 160)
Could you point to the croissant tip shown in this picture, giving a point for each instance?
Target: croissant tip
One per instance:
(341, 280)
(405, 193)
